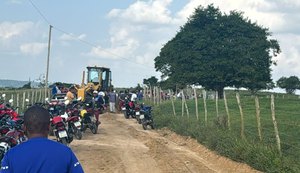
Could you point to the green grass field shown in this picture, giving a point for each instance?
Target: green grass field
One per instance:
(262, 155)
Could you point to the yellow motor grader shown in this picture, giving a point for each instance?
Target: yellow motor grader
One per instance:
(98, 79)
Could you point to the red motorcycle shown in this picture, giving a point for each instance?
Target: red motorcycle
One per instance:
(16, 131)
(74, 122)
(60, 130)
(7, 109)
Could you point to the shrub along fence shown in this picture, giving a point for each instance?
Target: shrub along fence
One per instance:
(19, 97)
(262, 130)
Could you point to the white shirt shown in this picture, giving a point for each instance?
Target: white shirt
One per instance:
(133, 97)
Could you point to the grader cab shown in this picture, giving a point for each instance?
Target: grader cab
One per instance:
(98, 79)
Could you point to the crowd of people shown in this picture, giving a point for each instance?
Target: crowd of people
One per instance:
(108, 99)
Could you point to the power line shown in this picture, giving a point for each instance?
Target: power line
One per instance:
(84, 41)
(40, 13)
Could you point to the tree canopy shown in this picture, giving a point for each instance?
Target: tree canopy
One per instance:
(152, 81)
(219, 50)
(290, 84)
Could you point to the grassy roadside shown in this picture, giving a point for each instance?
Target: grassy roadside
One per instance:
(261, 155)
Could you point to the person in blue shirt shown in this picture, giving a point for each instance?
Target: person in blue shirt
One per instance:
(39, 154)
(54, 89)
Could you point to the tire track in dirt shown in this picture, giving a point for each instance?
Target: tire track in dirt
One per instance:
(122, 146)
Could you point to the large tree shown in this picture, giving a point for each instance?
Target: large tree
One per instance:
(290, 84)
(152, 81)
(218, 50)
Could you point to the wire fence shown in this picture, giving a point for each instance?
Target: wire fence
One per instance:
(269, 118)
(19, 97)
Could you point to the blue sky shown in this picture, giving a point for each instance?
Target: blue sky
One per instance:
(125, 35)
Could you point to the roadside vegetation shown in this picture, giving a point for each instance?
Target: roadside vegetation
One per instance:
(261, 155)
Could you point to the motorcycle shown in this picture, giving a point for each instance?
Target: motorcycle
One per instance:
(6, 143)
(60, 130)
(56, 108)
(88, 119)
(73, 120)
(138, 114)
(16, 131)
(130, 109)
(7, 109)
(146, 117)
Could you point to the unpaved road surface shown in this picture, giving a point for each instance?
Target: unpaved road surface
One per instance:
(122, 146)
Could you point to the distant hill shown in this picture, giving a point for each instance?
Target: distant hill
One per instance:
(5, 83)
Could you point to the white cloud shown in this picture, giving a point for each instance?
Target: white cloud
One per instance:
(33, 48)
(124, 50)
(257, 10)
(71, 37)
(289, 60)
(15, 1)
(9, 30)
(136, 32)
(153, 11)
(151, 24)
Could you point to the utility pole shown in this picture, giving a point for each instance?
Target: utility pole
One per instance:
(47, 72)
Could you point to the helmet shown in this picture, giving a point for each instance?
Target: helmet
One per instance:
(95, 92)
(101, 93)
(82, 112)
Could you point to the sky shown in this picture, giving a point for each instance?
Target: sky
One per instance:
(124, 35)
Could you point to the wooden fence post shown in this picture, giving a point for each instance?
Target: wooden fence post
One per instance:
(32, 96)
(159, 95)
(23, 102)
(150, 94)
(155, 95)
(182, 104)
(275, 124)
(36, 96)
(242, 115)
(186, 107)
(40, 96)
(18, 102)
(12, 97)
(227, 110)
(257, 108)
(196, 103)
(173, 106)
(205, 106)
(217, 104)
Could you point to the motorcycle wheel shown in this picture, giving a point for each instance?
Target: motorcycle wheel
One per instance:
(145, 126)
(126, 115)
(64, 141)
(51, 131)
(152, 126)
(78, 134)
(83, 128)
(94, 128)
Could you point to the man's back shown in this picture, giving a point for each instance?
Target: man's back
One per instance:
(112, 97)
(39, 155)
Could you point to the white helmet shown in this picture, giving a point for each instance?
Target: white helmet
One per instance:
(101, 93)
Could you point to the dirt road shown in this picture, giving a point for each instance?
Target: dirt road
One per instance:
(122, 146)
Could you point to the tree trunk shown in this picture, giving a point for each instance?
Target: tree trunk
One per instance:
(220, 92)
